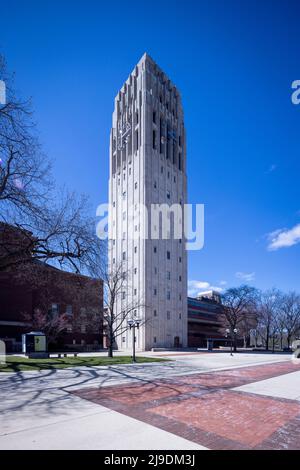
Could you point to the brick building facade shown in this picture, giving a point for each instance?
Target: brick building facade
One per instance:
(32, 286)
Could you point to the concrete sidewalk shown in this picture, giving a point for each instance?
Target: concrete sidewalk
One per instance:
(38, 412)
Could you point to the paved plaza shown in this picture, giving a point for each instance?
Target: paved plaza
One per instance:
(196, 401)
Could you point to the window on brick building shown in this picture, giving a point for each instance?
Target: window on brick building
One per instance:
(69, 310)
(54, 309)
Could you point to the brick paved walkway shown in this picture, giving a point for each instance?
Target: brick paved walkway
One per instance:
(204, 409)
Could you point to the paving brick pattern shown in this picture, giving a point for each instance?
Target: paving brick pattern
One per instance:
(202, 408)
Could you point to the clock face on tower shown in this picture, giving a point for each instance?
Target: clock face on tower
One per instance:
(124, 130)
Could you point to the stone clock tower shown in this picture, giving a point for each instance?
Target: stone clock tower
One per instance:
(148, 167)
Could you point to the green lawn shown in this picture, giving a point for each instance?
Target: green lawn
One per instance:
(16, 364)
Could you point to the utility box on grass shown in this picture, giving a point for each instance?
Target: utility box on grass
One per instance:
(34, 345)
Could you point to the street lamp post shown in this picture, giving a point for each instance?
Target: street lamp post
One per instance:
(133, 323)
(233, 334)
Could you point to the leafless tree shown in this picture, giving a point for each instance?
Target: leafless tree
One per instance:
(281, 329)
(239, 308)
(52, 325)
(55, 226)
(64, 235)
(269, 311)
(291, 315)
(246, 326)
(120, 303)
(25, 173)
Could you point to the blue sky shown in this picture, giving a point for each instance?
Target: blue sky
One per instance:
(233, 61)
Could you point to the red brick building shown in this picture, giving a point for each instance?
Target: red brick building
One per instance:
(32, 286)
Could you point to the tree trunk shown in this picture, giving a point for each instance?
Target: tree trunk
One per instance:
(111, 345)
(273, 346)
(267, 341)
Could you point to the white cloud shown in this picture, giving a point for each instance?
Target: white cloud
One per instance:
(272, 168)
(196, 287)
(283, 238)
(248, 277)
(223, 283)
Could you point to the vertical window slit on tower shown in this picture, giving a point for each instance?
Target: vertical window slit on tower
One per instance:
(161, 135)
(136, 140)
(154, 140)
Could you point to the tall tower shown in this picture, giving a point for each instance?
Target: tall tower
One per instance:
(148, 167)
